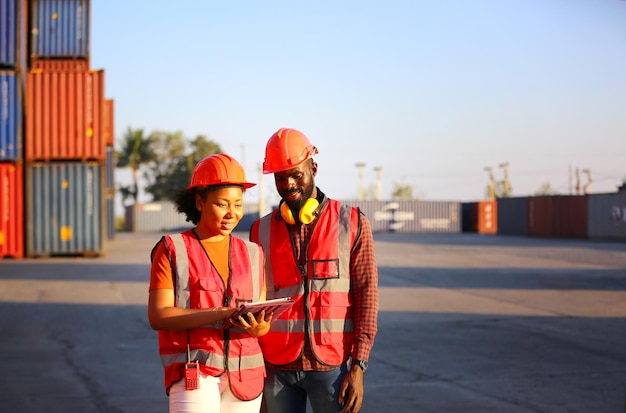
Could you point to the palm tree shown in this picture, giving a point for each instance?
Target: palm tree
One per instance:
(136, 150)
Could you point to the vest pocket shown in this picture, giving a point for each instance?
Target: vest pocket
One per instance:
(334, 311)
(206, 294)
(325, 269)
(251, 365)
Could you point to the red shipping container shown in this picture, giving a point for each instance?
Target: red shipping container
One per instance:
(570, 216)
(108, 122)
(11, 210)
(557, 216)
(540, 214)
(64, 113)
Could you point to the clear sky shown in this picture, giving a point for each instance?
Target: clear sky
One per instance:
(431, 91)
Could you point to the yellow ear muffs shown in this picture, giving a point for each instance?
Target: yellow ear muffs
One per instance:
(307, 213)
(286, 213)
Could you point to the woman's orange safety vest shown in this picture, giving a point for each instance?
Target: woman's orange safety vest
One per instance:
(197, 284)
(322, 311)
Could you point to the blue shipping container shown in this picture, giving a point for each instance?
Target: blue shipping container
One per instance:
(412, 216)
(65, 209)
(110, 167)
(110, 212)
(10, 117)
(8, 32)
(60, 28)
(606, 216)
(513, 216)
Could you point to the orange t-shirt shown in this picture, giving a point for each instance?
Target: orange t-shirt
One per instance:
(161, 272)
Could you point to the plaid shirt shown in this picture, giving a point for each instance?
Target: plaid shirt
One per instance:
(363, 292)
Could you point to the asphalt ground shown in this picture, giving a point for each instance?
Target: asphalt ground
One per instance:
(468, 323)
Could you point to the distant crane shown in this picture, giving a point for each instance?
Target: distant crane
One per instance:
(587, 188)
(507, 182)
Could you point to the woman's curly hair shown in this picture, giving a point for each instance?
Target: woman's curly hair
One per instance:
(185, 200)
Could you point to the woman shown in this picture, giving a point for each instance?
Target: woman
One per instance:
(197, 280)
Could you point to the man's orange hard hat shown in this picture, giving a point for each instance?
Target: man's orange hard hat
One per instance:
(286, 149)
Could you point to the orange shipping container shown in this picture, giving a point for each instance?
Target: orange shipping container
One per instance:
(64, 113)
(487, 217)
(480, 217)
(11, 210)
(108, 122)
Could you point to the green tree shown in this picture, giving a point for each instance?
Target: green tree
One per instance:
(162, 175)
(135, 150)
(177, 158)
(545, 189)
(201, 147)
(402, 192)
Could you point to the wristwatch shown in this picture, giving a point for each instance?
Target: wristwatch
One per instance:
(362, 364)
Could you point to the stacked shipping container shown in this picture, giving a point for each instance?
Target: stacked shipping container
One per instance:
(65, 149)
(60, 144)
(108, 132)
(12, 68)
(8, 33)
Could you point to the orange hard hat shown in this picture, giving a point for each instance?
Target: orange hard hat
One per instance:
(286, 149)
(220, 169)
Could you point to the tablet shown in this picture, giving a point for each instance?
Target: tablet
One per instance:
(276, 306)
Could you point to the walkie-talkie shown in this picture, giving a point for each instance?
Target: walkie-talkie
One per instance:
(192, 373)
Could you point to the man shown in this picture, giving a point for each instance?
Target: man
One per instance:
(321, 253)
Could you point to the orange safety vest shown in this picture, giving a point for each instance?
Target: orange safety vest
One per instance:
(322, 311)
(197, 284)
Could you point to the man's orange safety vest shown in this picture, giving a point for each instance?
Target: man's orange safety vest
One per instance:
(322, 311)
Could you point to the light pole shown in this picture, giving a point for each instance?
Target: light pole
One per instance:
(360, 165)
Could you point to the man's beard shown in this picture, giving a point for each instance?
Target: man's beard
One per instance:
(306, 194)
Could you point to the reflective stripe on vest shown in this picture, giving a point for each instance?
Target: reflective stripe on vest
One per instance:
(206, 358)
(182, 267)
(323, 307)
